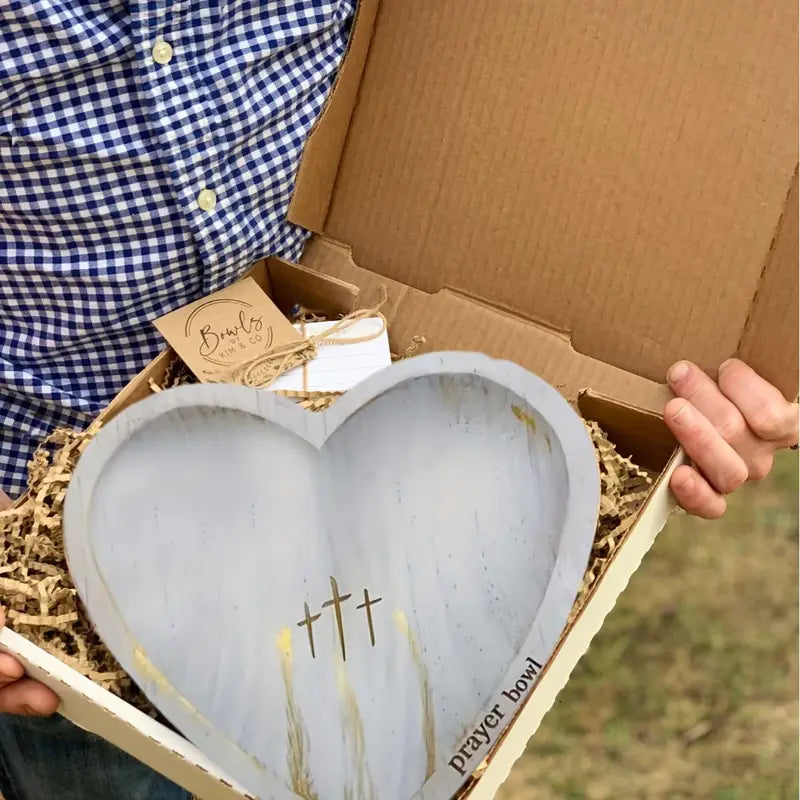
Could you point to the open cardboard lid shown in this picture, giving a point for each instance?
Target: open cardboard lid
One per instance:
(624, 173)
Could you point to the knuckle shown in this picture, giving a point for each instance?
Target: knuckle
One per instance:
(695, 496)
(731, 426)
(767, 422)
(704, 440)
(734, 373)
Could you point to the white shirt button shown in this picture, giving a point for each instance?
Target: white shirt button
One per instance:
(162, 52)
(207, 200)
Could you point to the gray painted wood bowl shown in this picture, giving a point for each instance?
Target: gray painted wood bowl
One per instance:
(343, 605)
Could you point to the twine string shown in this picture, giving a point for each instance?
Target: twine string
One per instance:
(263, 370)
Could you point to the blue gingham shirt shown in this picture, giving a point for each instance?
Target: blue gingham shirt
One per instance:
(114, 117)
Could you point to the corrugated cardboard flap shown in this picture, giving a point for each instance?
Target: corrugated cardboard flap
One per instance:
(624, 173)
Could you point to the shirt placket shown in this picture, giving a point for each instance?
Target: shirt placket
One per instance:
(171, 82)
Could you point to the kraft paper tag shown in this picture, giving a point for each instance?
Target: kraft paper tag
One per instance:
(218, 333)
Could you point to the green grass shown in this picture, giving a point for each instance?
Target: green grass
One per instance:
(690, 688)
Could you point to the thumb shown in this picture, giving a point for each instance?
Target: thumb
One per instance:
(10, 669)
(21, 695)
(28, 698)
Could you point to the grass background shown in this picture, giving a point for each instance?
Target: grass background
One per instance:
(690, 690)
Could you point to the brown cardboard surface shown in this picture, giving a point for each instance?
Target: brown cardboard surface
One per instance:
(450, 321)
(618, 172)
(323, 149)
(293, 283)
(644, 437)
(773, 319)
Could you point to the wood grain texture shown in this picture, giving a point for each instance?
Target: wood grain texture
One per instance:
(349, 604)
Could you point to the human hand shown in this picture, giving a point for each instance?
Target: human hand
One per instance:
(730, 429)
(21, 695)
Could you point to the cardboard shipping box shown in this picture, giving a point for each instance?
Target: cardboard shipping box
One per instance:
(590, 190)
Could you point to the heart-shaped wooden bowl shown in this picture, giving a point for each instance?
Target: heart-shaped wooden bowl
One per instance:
(350, 604)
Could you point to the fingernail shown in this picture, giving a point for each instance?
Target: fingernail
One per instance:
(726, 363)
(682, 416)
(678, 372)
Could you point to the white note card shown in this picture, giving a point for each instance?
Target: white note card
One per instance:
(339, 367)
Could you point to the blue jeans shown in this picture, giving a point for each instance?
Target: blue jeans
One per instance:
(49, 758)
